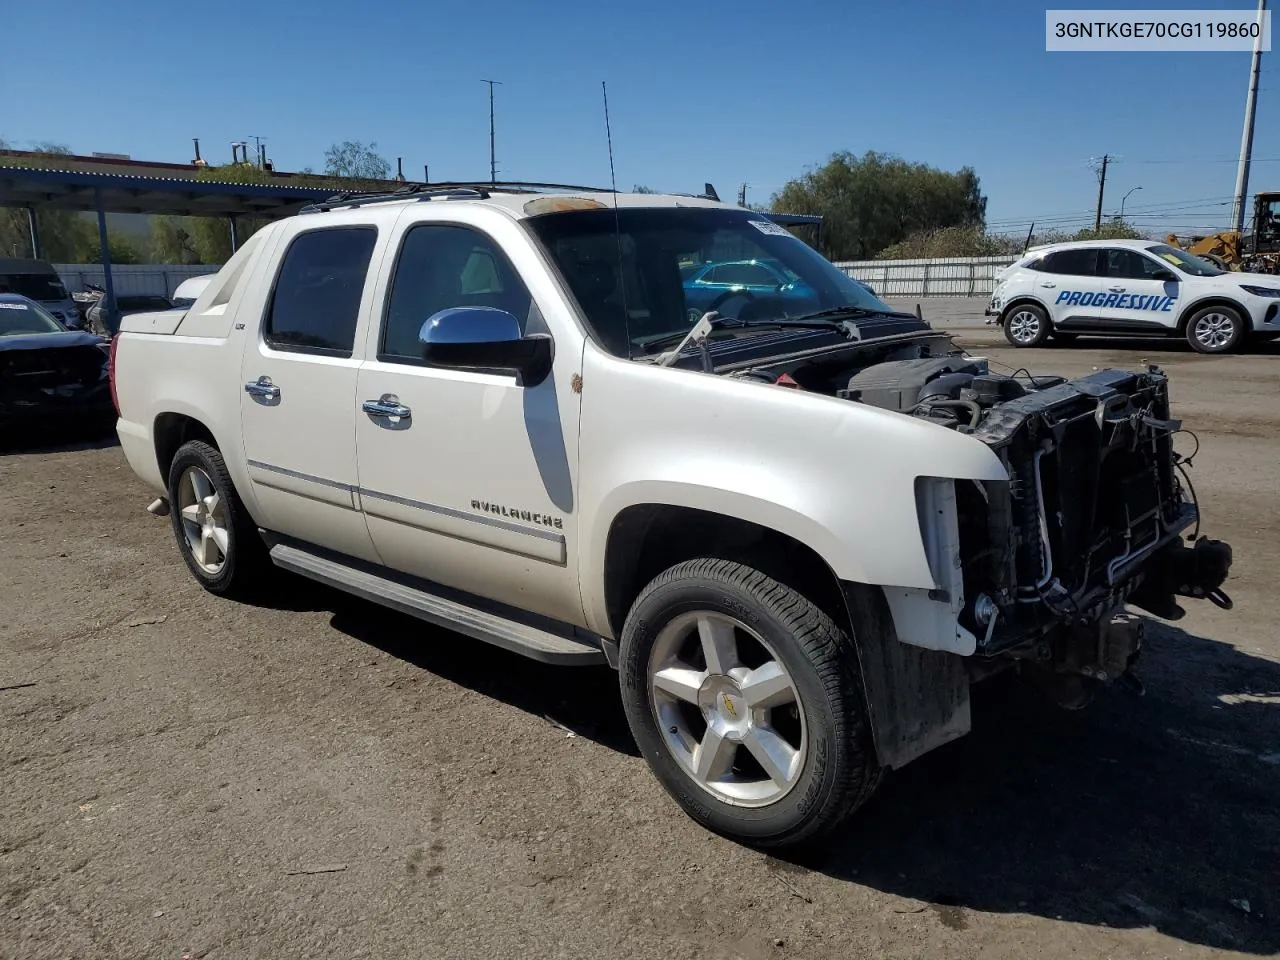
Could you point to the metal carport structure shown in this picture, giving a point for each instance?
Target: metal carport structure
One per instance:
(40, 188)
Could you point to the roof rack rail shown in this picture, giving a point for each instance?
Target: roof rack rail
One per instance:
(443, 191)
(520, 186)
(415, 191)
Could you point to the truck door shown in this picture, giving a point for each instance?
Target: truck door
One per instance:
(298, 399)
(468, 478)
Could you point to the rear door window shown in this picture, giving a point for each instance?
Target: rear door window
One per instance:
(1076, 263)
(315, 304)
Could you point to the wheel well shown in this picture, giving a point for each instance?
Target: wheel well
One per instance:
(647, 539)
(1018, 302)
(171, 431)
(1185, 317)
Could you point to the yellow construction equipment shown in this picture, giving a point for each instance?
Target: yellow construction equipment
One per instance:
(1256, 252)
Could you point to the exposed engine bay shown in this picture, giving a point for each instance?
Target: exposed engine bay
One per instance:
(1095, 514)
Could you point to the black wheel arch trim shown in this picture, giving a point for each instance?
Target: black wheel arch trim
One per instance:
(1023, 299)
(1214, 299)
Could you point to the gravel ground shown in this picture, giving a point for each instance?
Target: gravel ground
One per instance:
(319, 778)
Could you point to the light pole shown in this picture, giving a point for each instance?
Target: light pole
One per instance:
(1123, 199)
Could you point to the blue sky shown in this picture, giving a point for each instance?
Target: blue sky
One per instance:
(723, 92)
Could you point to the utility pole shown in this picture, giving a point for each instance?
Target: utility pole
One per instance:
(493, 162)
(1246, 138)
(1102, 185)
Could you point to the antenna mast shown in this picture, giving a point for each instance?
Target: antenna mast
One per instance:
(617, 218)
(493, 162)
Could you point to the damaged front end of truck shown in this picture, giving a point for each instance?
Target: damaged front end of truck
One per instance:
(1098, 514)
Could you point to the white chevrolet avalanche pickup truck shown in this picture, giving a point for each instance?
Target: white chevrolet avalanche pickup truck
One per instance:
(800, 525)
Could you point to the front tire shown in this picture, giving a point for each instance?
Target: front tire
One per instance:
(1215, 330)
(747, 703)
(1027, 325)
(217, 538)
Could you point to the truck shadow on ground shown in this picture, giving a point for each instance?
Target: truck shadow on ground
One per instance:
(583, 700)
(1157, 812)
(1154, 812)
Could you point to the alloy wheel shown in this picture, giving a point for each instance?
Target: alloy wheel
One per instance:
(727, 708)
(1024, 326)
(1214, 330)
(204, 520)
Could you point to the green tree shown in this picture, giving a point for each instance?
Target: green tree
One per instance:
(875, 200)
(124, 250)
(1115, 229)
(356, 160)
(951, 242)
(173, 240)
(638, 188)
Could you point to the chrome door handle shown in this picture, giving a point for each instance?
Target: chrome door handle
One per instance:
(388, 405)
(1116, 289)
(262, 387)
(1049, 285)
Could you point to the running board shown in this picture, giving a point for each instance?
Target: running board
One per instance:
(425, 604)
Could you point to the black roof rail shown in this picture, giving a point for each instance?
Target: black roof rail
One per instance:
(444, 191)
(519, 186)
(414, 192)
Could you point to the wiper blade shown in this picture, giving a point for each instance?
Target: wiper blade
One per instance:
(813, 322)
(834, 312)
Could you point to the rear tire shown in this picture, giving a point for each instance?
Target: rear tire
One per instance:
(1027, 325)
(1215, 329)
(747, 703)
(216, 536)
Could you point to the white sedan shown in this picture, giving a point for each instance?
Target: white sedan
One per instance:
(1135, 288)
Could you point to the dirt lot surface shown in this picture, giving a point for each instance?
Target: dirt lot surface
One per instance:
(182, 775)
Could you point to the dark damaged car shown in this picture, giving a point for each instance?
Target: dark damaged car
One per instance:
(52, 379)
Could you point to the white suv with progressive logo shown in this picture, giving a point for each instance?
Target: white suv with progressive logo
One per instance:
(1135, 287)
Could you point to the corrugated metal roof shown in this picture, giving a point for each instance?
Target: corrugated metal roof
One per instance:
(135, 193)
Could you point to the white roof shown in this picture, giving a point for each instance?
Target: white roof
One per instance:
(1085, 244)
(518, 204)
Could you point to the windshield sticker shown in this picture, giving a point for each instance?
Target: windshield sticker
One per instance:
(14, 306)
(771, 228)
(1172, 258)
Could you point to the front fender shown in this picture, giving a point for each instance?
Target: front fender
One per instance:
(838, 476)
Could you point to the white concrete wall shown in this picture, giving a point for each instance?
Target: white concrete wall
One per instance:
(134, 278)
(943, 277)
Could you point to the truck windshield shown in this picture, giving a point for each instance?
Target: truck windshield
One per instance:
(35, 286)
(643, 274)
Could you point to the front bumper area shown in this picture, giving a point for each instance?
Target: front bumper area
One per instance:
(1092, 518)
